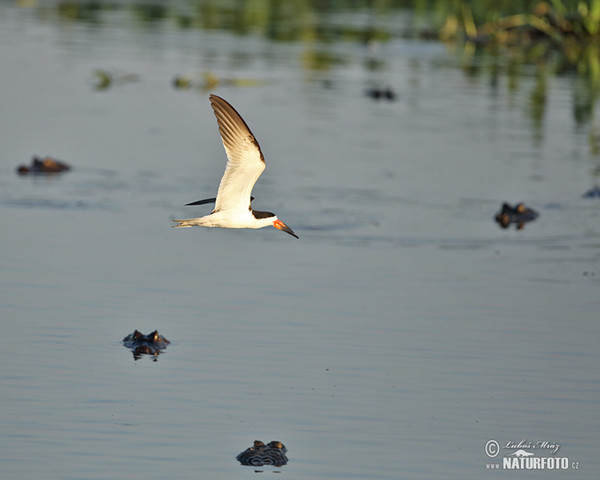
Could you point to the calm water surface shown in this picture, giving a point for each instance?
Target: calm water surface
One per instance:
(393, 340)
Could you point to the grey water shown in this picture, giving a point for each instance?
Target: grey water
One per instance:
(394, 339)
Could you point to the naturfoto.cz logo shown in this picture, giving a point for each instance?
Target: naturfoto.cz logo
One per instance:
(526, 455)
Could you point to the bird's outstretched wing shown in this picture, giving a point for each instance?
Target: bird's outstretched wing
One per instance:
(245, 161)
(205, 201)
(202, 202)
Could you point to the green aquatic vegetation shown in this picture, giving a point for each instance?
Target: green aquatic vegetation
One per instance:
(103, 79)
(556, 20)
(560, 34)
(511, 38)
(207, 81)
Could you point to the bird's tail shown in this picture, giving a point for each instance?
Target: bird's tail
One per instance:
(183, 223)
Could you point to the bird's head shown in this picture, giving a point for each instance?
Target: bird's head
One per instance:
(265, 219)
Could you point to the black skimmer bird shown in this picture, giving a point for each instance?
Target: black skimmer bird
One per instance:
(245, 163)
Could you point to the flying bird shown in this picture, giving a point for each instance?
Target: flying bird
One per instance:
(245, 163)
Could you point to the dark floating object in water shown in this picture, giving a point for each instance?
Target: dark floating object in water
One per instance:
(43, 166)
(592, 192)
(381, 94)
(519, 215)
(140, 344)
(273, 453)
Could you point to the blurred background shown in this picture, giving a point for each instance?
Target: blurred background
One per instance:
(406, 327)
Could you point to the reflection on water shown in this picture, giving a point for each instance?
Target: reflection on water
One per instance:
(322, 29)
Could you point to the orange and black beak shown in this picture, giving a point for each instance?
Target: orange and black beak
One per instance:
(279, 225)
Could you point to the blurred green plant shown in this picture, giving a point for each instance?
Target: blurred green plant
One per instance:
(509, 38)
(558, 36)
(103, 79)
(551, 22)
(207, 81)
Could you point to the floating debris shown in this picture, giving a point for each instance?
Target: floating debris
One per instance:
(209, 81)
(592, 192)
(140, 344)
(519, 215)
(104, 79)
(43, 166)
(381, 94)
(273, 453)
